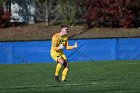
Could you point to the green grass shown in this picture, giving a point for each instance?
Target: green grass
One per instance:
(86, 77)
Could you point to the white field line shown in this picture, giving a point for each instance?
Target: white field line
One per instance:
(132, 63)
(123, 91)
(115, 82)
(60, 85)
(69, 84)
(57, 85)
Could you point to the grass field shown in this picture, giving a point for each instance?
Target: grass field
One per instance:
(84, 77)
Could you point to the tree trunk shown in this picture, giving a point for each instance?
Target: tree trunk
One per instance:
(47, 14)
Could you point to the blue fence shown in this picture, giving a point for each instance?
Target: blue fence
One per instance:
(88, 50)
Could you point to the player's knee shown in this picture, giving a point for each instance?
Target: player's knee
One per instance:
(66, 64)
(61, 61)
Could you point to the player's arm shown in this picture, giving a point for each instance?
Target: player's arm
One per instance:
(55, 43)
(68, 47)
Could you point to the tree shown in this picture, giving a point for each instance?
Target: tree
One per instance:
(48, 7)
(4, 15)
(40, 10)
(68, 9)
(110, 13)
(46, 10)
(1, 2)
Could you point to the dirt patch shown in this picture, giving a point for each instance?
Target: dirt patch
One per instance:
(41, 32)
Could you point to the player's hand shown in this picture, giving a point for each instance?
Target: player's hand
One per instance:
(61, 46)
(75, 45)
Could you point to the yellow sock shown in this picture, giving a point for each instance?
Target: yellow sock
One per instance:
(64, 74)
(58, 67)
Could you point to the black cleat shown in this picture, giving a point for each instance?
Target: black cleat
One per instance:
(57, 79)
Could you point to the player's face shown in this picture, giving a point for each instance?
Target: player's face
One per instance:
(65, 30)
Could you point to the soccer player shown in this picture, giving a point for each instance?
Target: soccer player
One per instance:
(59, 42)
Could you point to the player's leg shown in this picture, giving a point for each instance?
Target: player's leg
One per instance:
(65, 70)
(60, 62)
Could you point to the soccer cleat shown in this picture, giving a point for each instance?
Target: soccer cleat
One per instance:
(57, 79)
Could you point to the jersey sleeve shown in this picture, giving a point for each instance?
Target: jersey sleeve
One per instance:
(55, 43)
(68, 47)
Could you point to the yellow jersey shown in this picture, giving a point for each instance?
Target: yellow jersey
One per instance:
(57, 39)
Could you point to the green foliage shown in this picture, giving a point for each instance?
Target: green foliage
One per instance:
(41, 1)
(68, 10)
(1, 2)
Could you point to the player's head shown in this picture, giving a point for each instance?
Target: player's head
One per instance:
(64, 30)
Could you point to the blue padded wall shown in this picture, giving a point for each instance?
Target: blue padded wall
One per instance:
(88, 50)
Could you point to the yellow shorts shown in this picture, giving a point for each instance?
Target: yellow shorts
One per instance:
(57, 55)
